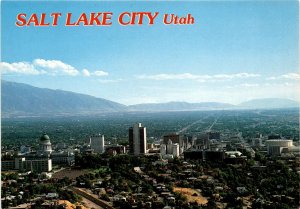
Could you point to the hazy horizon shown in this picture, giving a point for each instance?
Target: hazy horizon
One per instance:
(179, 101)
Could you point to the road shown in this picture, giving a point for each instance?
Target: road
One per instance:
(89, 204)
(91, 197)
(212, 125)
(198, 121)
(190, 125)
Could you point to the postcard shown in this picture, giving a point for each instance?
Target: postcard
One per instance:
(98, 94)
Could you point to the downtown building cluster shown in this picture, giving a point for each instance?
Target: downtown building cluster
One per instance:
(207, 146)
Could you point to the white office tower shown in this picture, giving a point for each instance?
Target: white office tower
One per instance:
(175, 150)
(137, 139)
(97, 143)
(163, 149)
(170, 147)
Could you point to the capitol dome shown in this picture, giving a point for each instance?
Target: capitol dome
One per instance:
(45, 144)
(44, 137)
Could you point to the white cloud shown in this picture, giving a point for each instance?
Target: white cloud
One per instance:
(168, 76)
(271, 78)
(97, 73)
(100, 73)
(39, 66)
(48, 67)
(86, 73)
(246, 75)
(200, 78)
(249, 85)
(243, 85)
(109, 80)
(292, 76)
(288, 76)
(19, 67)
(55, 67)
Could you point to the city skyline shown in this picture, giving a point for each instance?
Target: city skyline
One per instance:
(235, 51)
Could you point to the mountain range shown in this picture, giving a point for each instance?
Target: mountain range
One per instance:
(22, 99)
(25, 100)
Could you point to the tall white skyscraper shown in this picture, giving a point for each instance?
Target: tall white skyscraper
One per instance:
(175, 150)
(137, 139)
(97, 143)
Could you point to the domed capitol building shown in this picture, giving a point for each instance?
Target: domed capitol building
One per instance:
(40, 160)
(45, 144)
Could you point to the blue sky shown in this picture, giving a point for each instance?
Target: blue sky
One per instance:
(235, 51)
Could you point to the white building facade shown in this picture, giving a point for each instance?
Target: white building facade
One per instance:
(137, 139)
(97, 143)
(275, 146)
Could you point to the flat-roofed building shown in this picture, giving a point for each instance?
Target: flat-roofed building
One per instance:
(137, 139)
(275, 146)
(97, 143)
